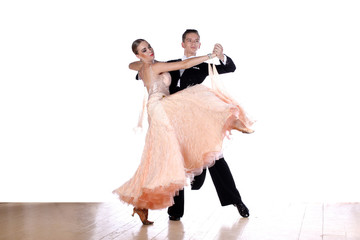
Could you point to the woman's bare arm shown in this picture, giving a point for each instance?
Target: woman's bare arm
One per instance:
(135, 65)
(160, 67)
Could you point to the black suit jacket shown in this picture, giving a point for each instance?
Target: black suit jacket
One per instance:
(196, 74)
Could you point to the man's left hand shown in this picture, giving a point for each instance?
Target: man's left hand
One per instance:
(218, 50)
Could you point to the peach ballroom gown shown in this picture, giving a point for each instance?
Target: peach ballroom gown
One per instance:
(185, 135)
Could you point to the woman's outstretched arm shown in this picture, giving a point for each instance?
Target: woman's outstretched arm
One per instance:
(160, 67)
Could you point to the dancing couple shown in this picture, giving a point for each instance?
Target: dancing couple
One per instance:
(187, 126)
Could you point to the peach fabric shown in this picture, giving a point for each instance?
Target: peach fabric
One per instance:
(185, 135)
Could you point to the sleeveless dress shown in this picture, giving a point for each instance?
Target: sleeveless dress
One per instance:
(185, 135)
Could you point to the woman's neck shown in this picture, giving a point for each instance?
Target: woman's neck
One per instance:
(148, 61)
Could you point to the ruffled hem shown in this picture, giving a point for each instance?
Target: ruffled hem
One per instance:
(163, 196)
(208, 161)
(157, 198)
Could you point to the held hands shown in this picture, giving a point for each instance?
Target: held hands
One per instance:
(218, 51)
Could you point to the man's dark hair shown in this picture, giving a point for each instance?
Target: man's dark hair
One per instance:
(189, 31)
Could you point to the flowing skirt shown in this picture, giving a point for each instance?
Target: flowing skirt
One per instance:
(185, 135)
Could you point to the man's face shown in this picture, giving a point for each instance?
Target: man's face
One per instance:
(191, 44)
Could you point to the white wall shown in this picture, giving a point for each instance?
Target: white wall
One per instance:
(68, 101)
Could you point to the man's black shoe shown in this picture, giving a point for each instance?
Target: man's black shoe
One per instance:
(172, 218)
(243, 210)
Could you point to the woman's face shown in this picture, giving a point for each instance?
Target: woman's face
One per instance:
(145, 51)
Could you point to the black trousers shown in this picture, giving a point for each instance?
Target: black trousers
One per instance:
(223, 182)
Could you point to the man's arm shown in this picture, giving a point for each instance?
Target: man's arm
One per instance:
(226, 63)
(226, 68)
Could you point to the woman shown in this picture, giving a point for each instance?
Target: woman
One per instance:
(185, 133)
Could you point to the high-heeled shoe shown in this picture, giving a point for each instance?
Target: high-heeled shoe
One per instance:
(238, 125)
(246, 130)
(143, 215)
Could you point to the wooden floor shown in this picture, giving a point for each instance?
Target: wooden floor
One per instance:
(112, 220)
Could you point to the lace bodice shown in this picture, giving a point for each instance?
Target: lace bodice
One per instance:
(160, 84)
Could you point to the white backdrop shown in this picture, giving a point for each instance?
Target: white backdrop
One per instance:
(68, 101)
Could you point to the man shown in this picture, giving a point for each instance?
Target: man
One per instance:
(220, 172)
